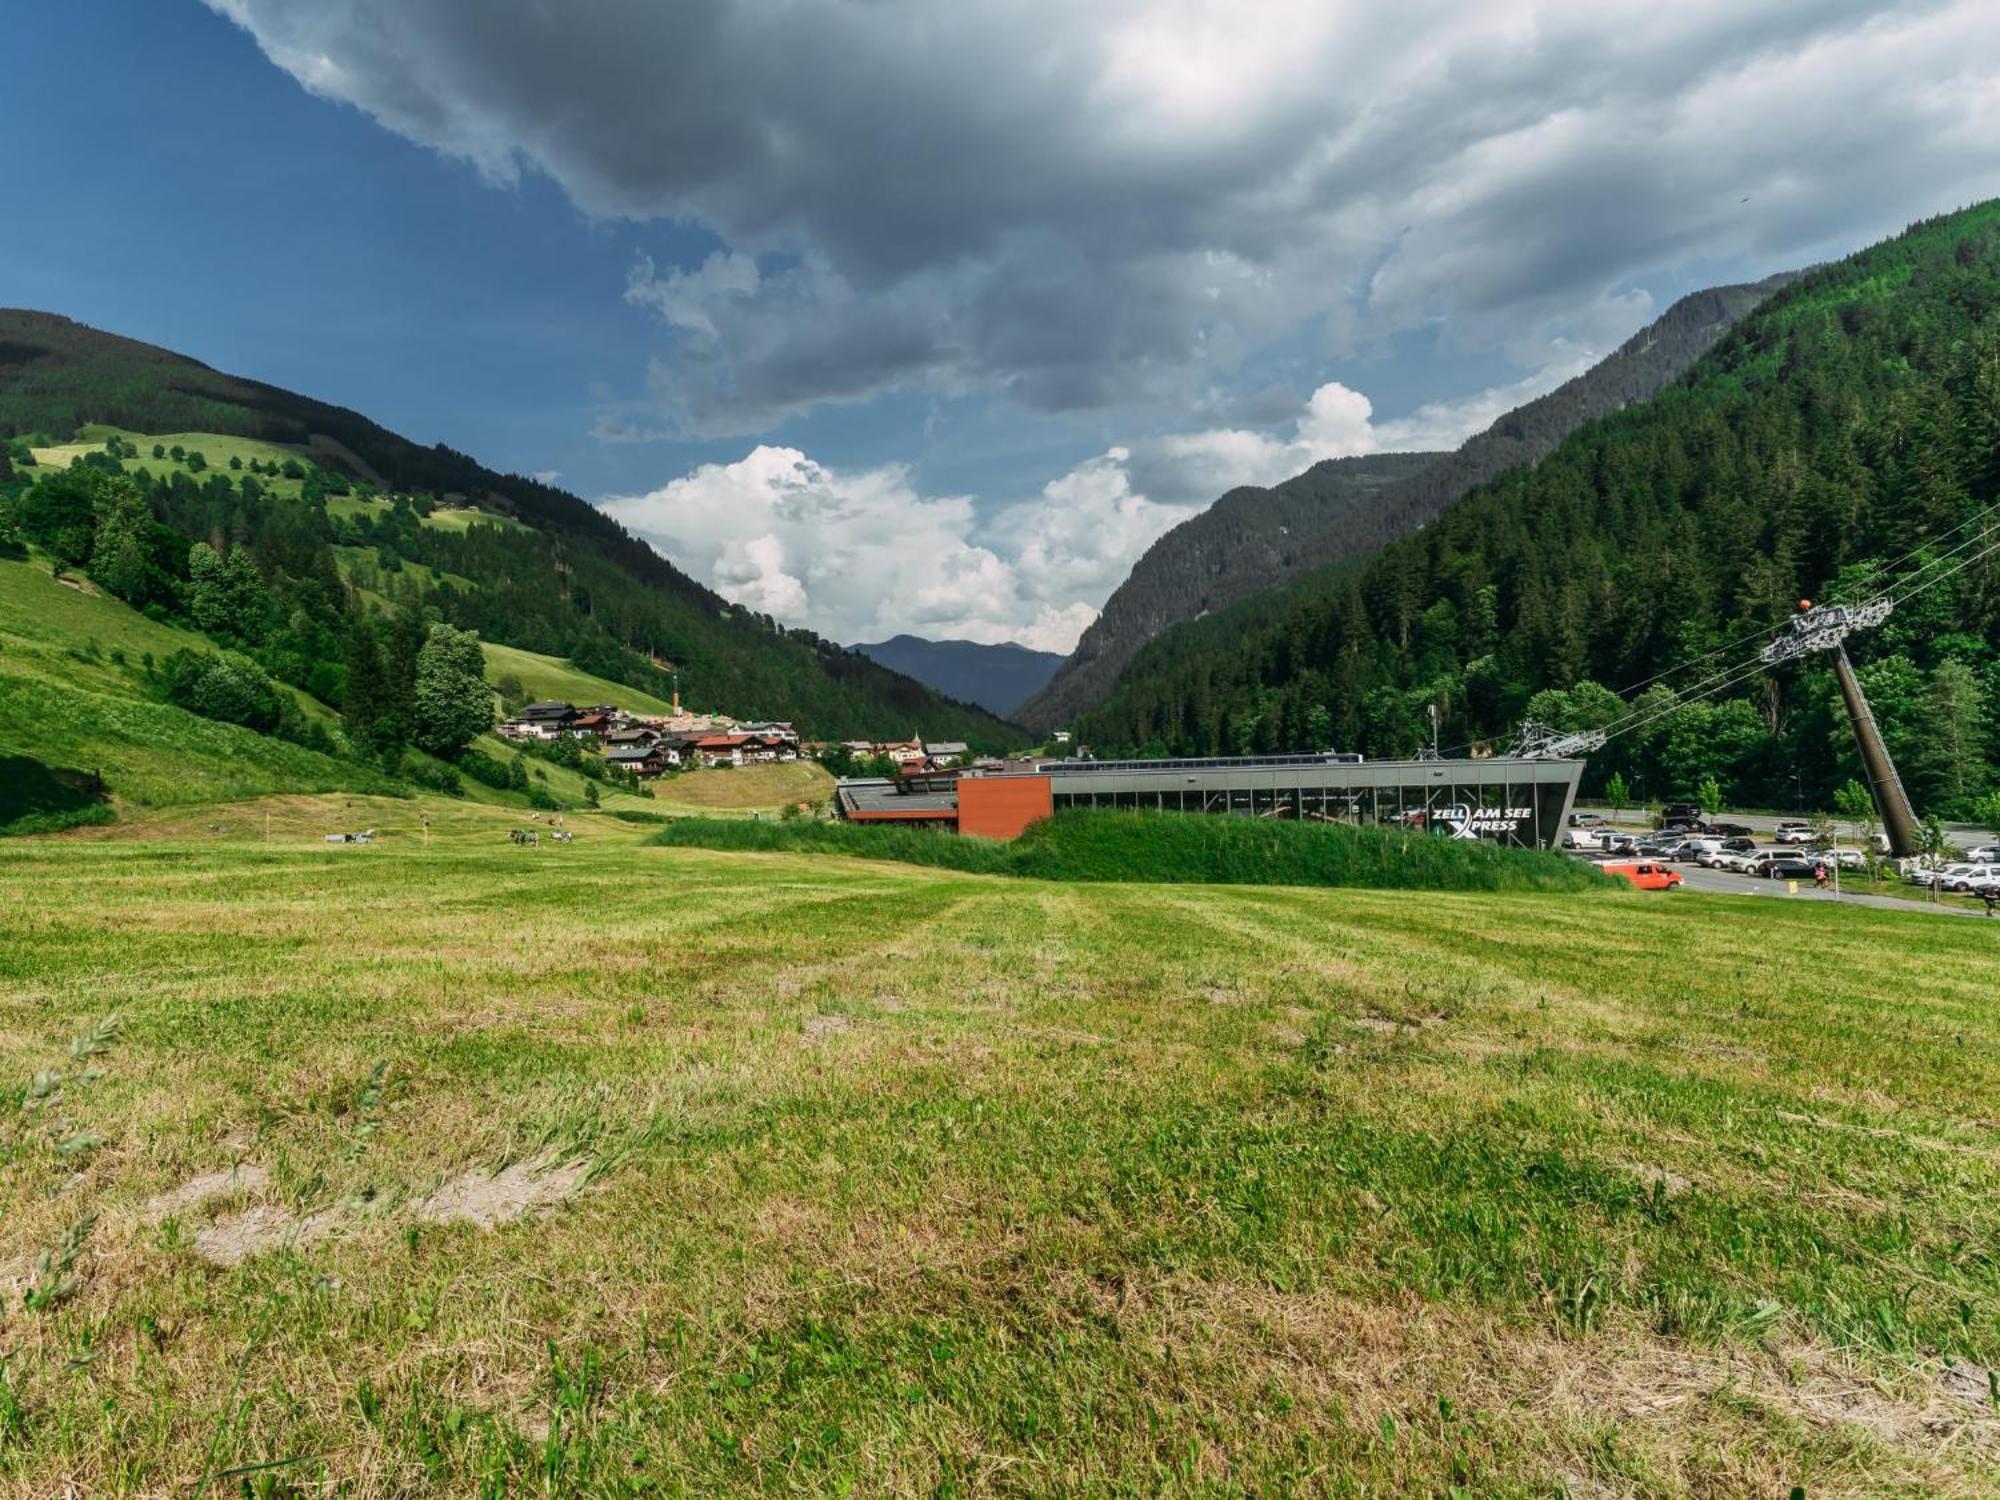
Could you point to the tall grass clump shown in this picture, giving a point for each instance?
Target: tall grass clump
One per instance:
(1195, 848)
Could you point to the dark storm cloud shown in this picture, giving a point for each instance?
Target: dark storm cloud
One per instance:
(1110, 204)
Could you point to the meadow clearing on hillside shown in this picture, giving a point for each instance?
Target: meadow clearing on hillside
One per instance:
(615, 1169)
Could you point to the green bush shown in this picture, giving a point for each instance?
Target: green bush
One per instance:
(433, 776)
(1174, 848)
(226, 687)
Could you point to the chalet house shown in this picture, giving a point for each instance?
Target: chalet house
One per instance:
(642, 760)
(937, 752)
(764, 748)
(541, 721)
(720, 749)
(594, 724)
(902, 752)
(633, 734)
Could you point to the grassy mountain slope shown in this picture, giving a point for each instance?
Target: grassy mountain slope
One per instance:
(568, 582)
(84, 737)
(996, 677)
(1850, 418)
(1248, 540)
(1258, 539)
(72, 703)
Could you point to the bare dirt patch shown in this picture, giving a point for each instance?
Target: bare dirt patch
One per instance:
(818, 1028)
(247, 1177)
(231, 1241)
(1671, 1182)
(491, 1198)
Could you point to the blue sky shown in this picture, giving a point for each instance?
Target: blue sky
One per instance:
(894, 317)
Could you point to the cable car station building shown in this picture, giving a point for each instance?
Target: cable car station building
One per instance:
(1517, 801)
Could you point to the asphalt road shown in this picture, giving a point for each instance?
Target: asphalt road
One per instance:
(1724, 882)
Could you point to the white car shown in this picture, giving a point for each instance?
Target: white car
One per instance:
(1964, 877)
(1793, 833)
(1736, 861)
(1947, 878)
(1985, 854)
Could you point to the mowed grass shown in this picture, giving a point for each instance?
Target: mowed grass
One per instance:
(740, 789)
(859, 1179)
(550, 677)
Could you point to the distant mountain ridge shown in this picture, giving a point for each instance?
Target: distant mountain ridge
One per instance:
(997, 678)
(570, 582)
(1255, 539)
(1248, 540)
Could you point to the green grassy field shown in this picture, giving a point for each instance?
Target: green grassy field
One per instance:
(216, 449)
(612, 1169)
(552, 677)
(72, 698)
(463, 517)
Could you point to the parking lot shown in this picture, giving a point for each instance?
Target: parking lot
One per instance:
(1793, 880)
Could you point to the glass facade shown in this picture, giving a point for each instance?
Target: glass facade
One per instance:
(1522, 802)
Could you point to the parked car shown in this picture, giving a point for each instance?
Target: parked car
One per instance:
(1735, 848)
(1847, 859)
(1783, 866)
(1681, 812)
(1924, 870)
(1962, 877)
(1948, 875)
(1736, 861)
(1688, 851)
(1793, 832)
(1985, 854)
(1645, 875)
(1732, 830)
(1586, 820)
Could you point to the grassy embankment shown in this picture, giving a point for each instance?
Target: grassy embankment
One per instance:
(851, 1178)
(1169, 847)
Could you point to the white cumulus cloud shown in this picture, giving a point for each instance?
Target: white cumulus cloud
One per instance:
(861, 555)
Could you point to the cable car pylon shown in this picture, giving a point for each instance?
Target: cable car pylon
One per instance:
(1825, 627)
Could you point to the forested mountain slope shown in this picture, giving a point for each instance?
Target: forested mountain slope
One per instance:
(1248, 540)
(567, 581)
(1339, 511)
(996, 676)
(1852, 418)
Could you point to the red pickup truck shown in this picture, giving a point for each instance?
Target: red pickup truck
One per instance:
(1645, 875)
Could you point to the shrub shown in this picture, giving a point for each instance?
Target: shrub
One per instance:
(226, 687)
(1173, 847)
(434, 777)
